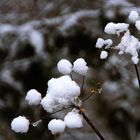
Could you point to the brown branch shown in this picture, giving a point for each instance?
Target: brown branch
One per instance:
(137, 73)
(90, 123)
(86, 98)
(43, 117)
(92, 126)
(82, 86)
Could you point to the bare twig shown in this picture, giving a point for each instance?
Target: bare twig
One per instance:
(92, 126)
(137, 73)
(90, 123)
(86, 98)
(82, 86)
(40, 120)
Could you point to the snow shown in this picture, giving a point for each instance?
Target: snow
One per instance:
(6, 28)
(56, 126)
(33, 97)
(74, 18)
(135, 60)
(73, 120)
(108, 42)
(133, 16)
(48, 103)
(63, 87)
(116, 28)
(137, 24)
(61, 91)
(103, 55)
(135, 82)
(100, 43)
(36, 39)
(64, 66)
(20, 124)
(80, 66)
(130, 45)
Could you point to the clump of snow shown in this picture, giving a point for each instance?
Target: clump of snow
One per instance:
(135, 59)
(20, 124)
(80, 66)
(61, 91)
(130, 45)
(137, 24)
(73, 120)
(56, 126)
(100, 43)
(36, 39)
(116, 28)
(108, 42)
(33, 97)
(103, 55)
(133, 16)
(64, 66)
(63, 87)
(48, 103)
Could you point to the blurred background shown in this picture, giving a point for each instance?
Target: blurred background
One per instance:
(35, 35)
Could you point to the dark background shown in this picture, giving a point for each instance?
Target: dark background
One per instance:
(66, 29)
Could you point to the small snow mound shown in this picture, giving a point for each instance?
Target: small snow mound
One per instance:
(80, 66)
(56, 126)
(64, 66)
(20, 124)
(103, 55)
(33, 97)
(133, 16)
(73, 120)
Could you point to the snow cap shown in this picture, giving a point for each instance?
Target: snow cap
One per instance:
(61, 91)
(133, 16)
(116, 28)
(103, 55)
(33, 97)
(135, 59)
(73, 120)
(64, 66)
(80, 66)
(100, 43)
(137, 24)
(56, 126)
(20, 124)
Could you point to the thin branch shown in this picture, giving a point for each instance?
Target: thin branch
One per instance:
(35, 123)
(90, 123)
(92, 126)
(86, 98)
(137, 73)
(61, 110)
(82, 86)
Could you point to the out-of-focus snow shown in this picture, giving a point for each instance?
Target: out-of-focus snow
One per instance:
(133, 16)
